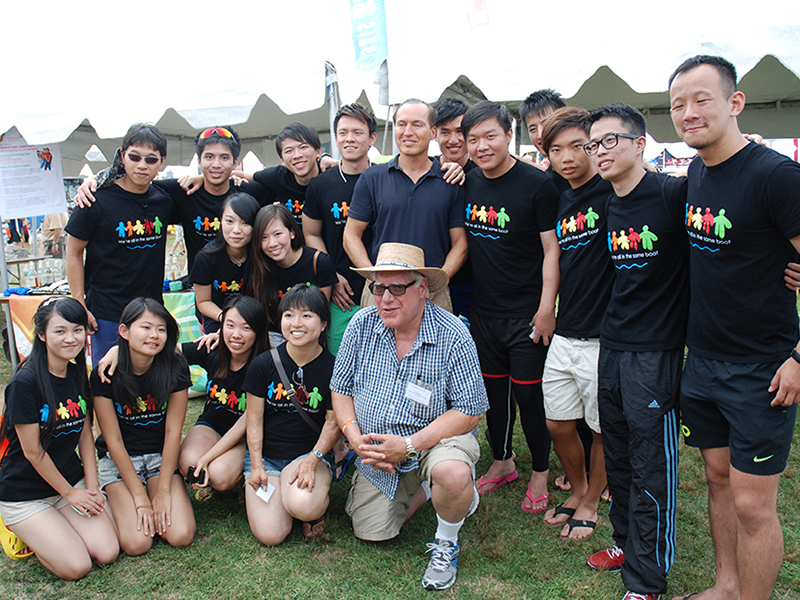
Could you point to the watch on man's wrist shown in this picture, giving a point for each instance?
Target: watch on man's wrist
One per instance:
(317, 453)
(411, 452)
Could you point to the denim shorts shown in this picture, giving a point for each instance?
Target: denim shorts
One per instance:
(146, 465)
(274, 466)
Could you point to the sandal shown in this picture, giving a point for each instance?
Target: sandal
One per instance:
(14, 547)
(311, 532)
(204, 494)
(532, 500)
(561, 510)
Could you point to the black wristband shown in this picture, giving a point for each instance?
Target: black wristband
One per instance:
(796, 354)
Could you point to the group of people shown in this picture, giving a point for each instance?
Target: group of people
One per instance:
(583, 285)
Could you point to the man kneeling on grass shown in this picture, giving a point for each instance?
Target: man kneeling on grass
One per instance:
(407, 392)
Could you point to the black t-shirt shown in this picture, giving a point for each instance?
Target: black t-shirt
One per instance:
(303, 271)
(143, 429)
(200, 213)
(127, 238)
(225, 397)
(587, 272)
(25, 405)
(464, 274)
(328, 200)
(283, 188)
(740, 216)
(650, 252)
(504, 218)
(286, 434)
(222, 274)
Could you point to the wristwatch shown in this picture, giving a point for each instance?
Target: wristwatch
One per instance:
(410, 450)
(317, 453)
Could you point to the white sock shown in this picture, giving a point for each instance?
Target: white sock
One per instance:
(448, 531)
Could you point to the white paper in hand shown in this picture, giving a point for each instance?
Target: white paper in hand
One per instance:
(265, 494)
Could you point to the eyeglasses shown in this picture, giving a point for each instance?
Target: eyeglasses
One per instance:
(395, 289)
(150, 160)
(220, 131)
(608, 142)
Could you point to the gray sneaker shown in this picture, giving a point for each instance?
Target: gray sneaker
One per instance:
(443, 565)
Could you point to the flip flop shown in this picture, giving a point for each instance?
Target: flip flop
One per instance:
(497, 481)
(311, 524)
(343, 464)
(534, 511)
(561, 510)
(562, 486)
(204, 494)
(572, 523)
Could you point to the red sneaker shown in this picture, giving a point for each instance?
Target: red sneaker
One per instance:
(610, 559)
(637, 596)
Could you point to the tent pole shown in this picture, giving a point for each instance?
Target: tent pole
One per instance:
(12, 344)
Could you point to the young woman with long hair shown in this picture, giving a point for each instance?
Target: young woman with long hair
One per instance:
(141, 413)
(47, 497)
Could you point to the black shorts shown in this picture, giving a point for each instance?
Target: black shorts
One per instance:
(727, 405)
(505, 348)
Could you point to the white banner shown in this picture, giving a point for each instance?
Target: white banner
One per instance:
(31, 181)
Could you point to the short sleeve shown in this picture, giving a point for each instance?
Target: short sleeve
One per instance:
(83, 222)
(258, 375)
(466, 392)
(183, 378)
(311, 208)
(361, 205)
(546, 205)
(456, 216)
(203, 269)
(326, 271)
(784, 199)
(195, 356)
(21, 396)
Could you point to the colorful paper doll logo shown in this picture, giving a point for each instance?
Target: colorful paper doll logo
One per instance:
(127, 229)
(206, 225)
(46, 157)
(340, 212)
(704, 220)
(488, 216)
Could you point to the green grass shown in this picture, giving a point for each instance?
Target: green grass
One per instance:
(505, 553)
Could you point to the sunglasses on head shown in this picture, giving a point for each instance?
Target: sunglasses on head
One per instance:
(150, 160)
(220, 131)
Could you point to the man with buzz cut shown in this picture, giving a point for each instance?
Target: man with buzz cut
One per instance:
(409, 201)
(328, 200)
(533, 111)
(741, 383)
(641, 351)
(510, 213)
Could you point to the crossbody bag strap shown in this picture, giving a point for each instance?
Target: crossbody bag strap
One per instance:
(276, 358)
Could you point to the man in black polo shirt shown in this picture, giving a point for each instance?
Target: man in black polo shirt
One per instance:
(514, 252)
(641, 351)
(327, 205)
(741, 384)
(587, 274)
(408, 200)
(124, 236)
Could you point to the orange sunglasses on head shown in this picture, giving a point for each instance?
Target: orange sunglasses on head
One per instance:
(220, 131)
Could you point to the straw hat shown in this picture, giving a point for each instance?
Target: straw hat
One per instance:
(404, 258)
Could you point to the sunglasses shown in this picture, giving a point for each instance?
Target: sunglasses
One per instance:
(220, 131)
(150, 160)
(395, 289)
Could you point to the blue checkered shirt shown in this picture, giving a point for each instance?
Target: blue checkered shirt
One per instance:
(443, 359)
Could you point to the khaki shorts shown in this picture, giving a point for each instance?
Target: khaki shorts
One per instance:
(569, 383)
(442, 298)
(16, 512)
(376, 517)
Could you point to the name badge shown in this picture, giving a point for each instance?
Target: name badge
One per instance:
(418, 393)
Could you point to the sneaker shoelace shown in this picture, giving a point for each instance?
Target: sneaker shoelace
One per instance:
(441, 556)
(614, 552)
